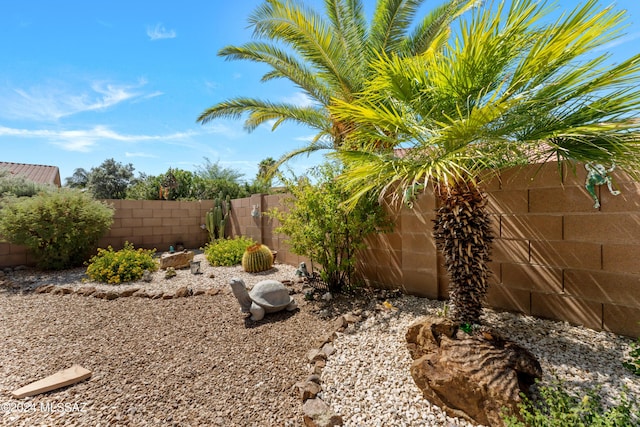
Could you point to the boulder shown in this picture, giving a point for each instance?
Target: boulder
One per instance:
(176, 260)
(469, 376)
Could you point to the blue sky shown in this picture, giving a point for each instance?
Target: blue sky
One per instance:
(83, 81)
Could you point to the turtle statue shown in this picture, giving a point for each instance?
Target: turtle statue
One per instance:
(267, 296)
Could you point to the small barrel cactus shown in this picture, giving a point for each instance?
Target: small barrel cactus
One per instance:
(257, 258)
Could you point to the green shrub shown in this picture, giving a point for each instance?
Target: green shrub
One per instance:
(633, 362)
(60, 228)
(227, 252)
(556, 407)
(11, 185)
(125, 265)
(321, 227)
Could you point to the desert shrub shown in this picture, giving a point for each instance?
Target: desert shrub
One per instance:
(125, 265)
(321, 227)
(227, 252)
(555, 407)
(11, 185)
(633, 361)
(60, 228)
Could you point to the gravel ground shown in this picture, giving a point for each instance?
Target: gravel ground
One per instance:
(197, 361)
(367, 380)
(186, 362)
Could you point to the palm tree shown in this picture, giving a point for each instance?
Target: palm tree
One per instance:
(328, 56)
(510, 88)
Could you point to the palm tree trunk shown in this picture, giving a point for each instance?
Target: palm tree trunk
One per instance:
(463, 234)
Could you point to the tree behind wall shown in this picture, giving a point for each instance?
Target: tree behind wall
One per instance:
(110, 180)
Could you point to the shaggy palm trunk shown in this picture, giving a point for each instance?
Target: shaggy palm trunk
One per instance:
(463, 234)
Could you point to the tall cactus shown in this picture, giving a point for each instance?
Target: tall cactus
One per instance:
(217, 218)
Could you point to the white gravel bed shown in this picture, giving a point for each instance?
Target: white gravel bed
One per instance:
(368, 382)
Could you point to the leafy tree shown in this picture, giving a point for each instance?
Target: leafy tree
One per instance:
(110, 180)
(329, 56)
(79, 179)
(320, 227)
(513, 86)
(213, 171)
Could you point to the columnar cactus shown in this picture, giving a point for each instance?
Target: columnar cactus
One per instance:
(217, 218)
(257, 258)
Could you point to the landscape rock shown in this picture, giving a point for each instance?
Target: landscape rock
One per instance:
(176, 260)
(318, 414)
(128, 292)
(141, 294)
(213, 291)
(44, 289)
(315, 355)
(183, 292)
(111, 295)
(308, 389)
(198, 292)
(59, 290)
(86, 291)
(167, 296)
(467, 375)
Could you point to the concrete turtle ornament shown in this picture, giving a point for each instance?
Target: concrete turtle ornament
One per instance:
(267, 296)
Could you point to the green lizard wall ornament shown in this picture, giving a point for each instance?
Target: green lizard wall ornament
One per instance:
(599, 175)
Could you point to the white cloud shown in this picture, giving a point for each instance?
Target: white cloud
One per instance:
(139, 154)
(231, 132)
(299, 99)
(85, 140)
(159, 32)
(56, 100)
(622, 40)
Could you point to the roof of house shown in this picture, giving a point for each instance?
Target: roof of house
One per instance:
(40, 174)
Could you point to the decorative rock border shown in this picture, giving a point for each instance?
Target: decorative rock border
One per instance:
(91, 291)
(316, 412)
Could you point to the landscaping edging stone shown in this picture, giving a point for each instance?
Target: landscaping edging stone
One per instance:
(316, 412)
(91, 291)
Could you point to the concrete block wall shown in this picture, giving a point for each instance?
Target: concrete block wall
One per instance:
(149, 224)
(557, 257)
(248, 219)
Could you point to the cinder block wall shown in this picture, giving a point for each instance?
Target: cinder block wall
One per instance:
(554, 256)
(146, 224)
(557, 257)
(157, 224)
(261, 228)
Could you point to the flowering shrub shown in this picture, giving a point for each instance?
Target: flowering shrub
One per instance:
(125, 265)
(227, 252)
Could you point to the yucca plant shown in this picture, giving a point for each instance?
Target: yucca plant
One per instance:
(512, 87)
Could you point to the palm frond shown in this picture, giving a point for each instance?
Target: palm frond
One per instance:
(284, 66)
(262, 111)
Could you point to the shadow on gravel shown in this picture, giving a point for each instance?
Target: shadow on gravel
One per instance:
(278, 317)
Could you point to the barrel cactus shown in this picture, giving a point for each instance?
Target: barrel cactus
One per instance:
(257, 258)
